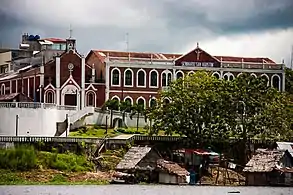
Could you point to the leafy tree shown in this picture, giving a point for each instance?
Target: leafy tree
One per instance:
(205, 108)
(112, 105)
(138, 110)
(125, 106)
(289, 80)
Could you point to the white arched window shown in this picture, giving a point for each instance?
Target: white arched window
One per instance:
(91, 99)
(276, 82)
(166, 78)
(128, 99)
(228, 76)
(179, 74)
(154, 79)
(266, 78)
(217, 75)
(128, 78)
(140, 101)
(115, 77)
(152, 102)
(50, 97)
(141, 78)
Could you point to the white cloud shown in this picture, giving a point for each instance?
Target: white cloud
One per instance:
(272, 44)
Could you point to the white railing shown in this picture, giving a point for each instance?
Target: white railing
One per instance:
(35, 105)
(81, 113)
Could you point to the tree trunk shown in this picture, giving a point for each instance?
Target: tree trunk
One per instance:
(137, 120)
(111, 119)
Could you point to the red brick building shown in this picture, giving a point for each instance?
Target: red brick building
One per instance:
(137, 77)
(71, 79)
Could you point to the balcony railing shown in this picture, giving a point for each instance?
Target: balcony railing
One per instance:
(35, 105)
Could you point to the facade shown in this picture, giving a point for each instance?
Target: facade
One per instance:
(137, 77)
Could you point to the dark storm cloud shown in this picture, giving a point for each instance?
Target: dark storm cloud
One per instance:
(153, 25)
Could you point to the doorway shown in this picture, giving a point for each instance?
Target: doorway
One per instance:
(70, 100)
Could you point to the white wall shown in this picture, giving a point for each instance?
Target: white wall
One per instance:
(38, 122)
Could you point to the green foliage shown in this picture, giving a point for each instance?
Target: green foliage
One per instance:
(19, 158)
(64, 162)
(203, 107)
(58, 178)
(289, 80)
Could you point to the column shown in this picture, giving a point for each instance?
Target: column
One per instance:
(174, 74)
(107, 80)
(93, 73)
(82, 82)
(283, 78)
(58, 80)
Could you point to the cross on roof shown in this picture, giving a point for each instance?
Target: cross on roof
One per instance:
(50, 80)
(198, 52)
(70, 31)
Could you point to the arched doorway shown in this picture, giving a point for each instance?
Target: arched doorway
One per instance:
(70, 96)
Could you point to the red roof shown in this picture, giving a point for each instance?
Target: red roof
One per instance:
(55, 40)
(245, 59)
(102, 54)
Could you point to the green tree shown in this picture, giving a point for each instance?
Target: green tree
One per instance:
(125, 106)
(111, 105)
(138, 110)
(289, 80)
(205, 108)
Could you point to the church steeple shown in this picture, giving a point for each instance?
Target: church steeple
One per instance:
(70, 42)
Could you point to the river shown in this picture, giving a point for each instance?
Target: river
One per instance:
(141, 190)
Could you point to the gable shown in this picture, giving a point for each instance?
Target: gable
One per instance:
(197, 58)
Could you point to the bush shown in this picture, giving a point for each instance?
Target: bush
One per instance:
(20, 158)
(64, 162)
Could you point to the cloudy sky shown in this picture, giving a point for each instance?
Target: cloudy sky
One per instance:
(222, 27)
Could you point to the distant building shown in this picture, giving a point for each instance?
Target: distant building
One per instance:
(137, 77)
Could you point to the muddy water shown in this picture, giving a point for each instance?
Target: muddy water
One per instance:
(140, 190)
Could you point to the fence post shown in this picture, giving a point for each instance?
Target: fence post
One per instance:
(16, 125)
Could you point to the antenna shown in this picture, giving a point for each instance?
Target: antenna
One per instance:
(70, 31)
(291, 65)
(127, 42)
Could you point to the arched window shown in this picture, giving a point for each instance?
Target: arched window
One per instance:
(169, 79)
(226, 77)
(217, 75)
(190, 73)
(166, 101)
(115, 77)
(265, 78)
(164, 80)
(231, 77)
(141, 78)
(154, 79)
(179, 75)
(153, 103)
(141, 102)
(90, 100)
(276, 82)
(128, 77)
(50, 97)
(128, 100)
(117, 100)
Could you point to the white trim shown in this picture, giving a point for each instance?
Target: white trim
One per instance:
(239, 74)
(3, 91)
(268, 78)
(70, 78)
(229, 75)
(119, 83)
(138, 92)
(70, 87)
(141, 86)
(179, 71)
(132, 75)
(153, 98)
(95, 98)
(272, 81)
(165, 72)
(50, 85)
(190, 72)
(115, 96)
(252, 74)
(54, 96)
(128, 97)
(216, 73)
(91, 86)
(144, 101)
(150, 78)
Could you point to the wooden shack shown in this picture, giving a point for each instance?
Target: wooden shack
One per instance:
(171, 173)
(267, 167)
(140, 161)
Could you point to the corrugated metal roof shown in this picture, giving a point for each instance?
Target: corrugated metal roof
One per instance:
(286, 146)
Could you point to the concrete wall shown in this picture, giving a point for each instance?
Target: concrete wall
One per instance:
(32, 121)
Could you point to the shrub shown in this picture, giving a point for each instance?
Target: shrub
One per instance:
(20, 158)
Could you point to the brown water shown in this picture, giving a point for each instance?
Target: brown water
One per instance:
(140, 190)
